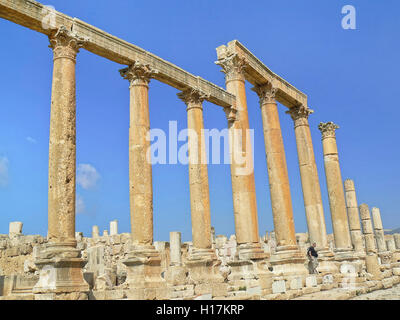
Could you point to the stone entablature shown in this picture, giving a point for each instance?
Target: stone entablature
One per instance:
(30, 14)
(258, 74)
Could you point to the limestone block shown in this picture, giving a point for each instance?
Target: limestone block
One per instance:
(206, 296)
(396, 271)
(311, 281)
(278, 286)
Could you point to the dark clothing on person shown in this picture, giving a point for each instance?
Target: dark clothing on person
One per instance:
(312, 251)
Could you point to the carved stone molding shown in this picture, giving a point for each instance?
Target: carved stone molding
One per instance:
(138, 73)
(233, 66)
(230, 113)
(328, 129)
(65, 44)
(299, 115)
(193, 98)
(266, 93)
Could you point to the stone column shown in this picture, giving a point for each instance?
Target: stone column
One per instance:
(175, 248)
(287, 254)
(390, 243)
(379, 234)
(309, 177)
(281, 199)
(140, 174)
(15, 229)
(95, 232)
(113, 227)
(242, 168)
(60, 256)
(353, 215)
(397, 240)
(371, 259)
(198, 174)
(334, 183)
(143, 261)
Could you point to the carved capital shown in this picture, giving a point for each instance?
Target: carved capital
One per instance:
(299, 115)
(193, 98)
(65, 43)
(233, 66)
(138, 73)
(328, 129)
(230, 113)
(266, 93)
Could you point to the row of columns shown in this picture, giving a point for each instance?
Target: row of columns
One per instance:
(62, 155)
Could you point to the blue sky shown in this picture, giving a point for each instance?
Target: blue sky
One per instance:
(350, 77)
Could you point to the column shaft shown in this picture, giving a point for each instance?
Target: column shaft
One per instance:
(198, 174)
(242, 173)
(309, 177)
(334, 183)
(140, 172)
(379, 233)
(281, 200)
(62, 146)
(353, 216)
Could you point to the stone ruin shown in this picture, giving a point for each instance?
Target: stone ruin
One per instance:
(357, 258)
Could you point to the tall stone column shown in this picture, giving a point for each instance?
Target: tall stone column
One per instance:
(140, 174)
(371, 258)
(198, 174)
(334, 183)
(242, 168)
(143, 260)
(397, 240)
(309, 177)
(353, 215)
(379, 234)
(281, 201)
(60, 262)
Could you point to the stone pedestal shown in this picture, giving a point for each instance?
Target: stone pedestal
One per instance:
(143, 268)
(61, 272)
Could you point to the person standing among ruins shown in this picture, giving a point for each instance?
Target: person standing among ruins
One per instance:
(313, 259)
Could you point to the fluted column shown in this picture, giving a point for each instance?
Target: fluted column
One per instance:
(281, 200)
(140, 173)
(334, 183)
(309, 177)
(198, 174)
(242, 173)
(379, 234)
(353, 215)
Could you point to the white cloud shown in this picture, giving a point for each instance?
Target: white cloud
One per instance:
(31, 140)
(3, 171)
(79, 204)
(87, 176)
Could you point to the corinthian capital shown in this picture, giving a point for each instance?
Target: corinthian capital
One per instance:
(300, 114)
(65, 43)
(266, 93)
(233, 66)
(138, 73)
(328, 129)
(192, 97)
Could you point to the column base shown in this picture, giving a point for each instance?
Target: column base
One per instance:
(326, 260)
(61, 271)
(143, 268)
(203, 266)
(345, 254)
(251, 251)
(287, 261)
